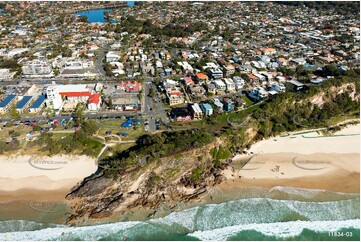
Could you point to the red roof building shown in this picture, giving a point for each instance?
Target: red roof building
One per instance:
(188, 81)
(94, 98)
(129, 86)
(94, 102)
(74, 94)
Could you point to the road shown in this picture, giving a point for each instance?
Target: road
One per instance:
(99, 62)
(102, 115)
(153, 107)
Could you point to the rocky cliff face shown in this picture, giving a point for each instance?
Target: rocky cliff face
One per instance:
(181, 178)
(330, 94)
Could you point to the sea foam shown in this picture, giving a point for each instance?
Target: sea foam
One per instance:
(279, 230)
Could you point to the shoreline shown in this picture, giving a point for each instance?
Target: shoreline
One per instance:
(344, 141)
(330, 171)
(321, 162)
(23, 177)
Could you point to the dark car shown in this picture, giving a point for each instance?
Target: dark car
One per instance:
(122, 134)
(108, 132)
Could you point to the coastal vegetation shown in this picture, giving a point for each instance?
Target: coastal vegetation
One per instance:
(312, 108)
(80, 142)
(154, 147)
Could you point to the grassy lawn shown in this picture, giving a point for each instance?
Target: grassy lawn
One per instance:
(114, 126)
(248, 101)
(21, 129)
(239, 117)
(115, 149)
(339, 119)
(216, 122)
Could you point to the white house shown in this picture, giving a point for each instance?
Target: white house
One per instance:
(258, 93)
(229, 84)
(37, 69)
(278, 87)
(239, 83)
(6, 75)
(94, 102)
(197, 111)
(112, 56)
(220, 85)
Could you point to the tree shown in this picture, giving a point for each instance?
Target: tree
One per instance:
(110, 103)
(83, 19)
(152, 93)
(330, 70)
(79, 113)
(13, 113)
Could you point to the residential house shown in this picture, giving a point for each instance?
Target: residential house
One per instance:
(230, 86)
(278, 87)
(220, 85)
(188, 81)
(215, 73)
(23, 103)
(297, 86)
(211, 88)
(206, 109)
(181, 115)
(201, 78)
(227, 104)
(37, 105)
(94, 102)
(112, 56)
(6, 75)
(229, 69)
(6, 103)
(196, 90)
(218, 104)
(254, 80)
(238, 82)
(36, 69)
(174, 96)
(269, 51)
(196, 111)
(129, 86)
(258, 93)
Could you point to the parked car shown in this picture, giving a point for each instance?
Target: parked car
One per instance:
(122, 134)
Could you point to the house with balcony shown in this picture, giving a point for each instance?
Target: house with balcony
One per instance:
(220, 85)
(6, 103)
(218, 104)
(258, 93)
(215, 73)
(174, 96)
(206, 109)
(227, 104)
(196, 111)
(230, 86)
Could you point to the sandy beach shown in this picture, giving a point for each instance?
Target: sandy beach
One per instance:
(301, 160)
(22, 177)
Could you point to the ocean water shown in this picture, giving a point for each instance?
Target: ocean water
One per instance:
(300, 215)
